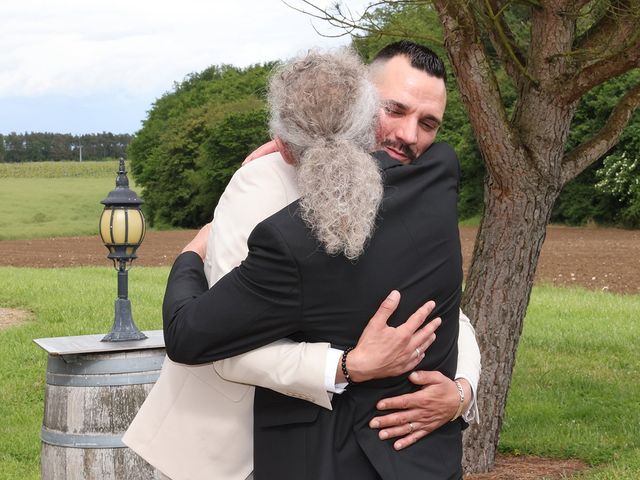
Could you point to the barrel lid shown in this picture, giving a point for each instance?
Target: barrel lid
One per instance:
(93, 343)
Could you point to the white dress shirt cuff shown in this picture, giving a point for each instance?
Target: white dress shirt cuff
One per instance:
(330, 367)
(470, 415)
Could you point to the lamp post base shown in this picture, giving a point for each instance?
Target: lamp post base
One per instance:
(123, 327)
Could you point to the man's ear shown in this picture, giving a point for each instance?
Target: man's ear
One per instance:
(284, 151)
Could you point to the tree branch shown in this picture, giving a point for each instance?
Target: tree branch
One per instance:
(363, 23)
(503, 41)
(614, 28)
(588, 152)
(600, 71)
(478, 86)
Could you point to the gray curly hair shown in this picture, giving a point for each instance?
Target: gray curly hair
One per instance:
(324, 108)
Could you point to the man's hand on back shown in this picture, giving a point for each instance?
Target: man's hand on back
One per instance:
(199, 242)
(419, 413)
(383, 351)
(261, 151)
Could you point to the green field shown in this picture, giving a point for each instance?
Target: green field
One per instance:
(53, 199)
(575, 388)
(105, 168)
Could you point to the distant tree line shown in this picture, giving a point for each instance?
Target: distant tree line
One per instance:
(46, 146)
(196, 136)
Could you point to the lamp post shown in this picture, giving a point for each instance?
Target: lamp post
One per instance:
(122, 229)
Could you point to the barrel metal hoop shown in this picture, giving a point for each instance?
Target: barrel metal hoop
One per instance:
(75, 440)
(80, 365)
(78, 371)
(102, 380)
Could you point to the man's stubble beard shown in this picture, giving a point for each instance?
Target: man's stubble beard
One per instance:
(402, 147)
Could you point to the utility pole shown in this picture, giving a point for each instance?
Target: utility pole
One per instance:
(80, 148)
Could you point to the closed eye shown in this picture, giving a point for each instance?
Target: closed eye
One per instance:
(393, 108)
(430, 123)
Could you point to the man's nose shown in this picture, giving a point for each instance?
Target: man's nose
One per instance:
(407, 132)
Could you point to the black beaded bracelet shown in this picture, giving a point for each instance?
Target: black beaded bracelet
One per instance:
(345, 372)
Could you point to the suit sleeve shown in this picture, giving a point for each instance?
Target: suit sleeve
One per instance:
(253, 305)
(255, 192)
(290, 368)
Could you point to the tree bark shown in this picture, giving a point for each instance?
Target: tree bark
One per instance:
(496, 297)
(524, 160)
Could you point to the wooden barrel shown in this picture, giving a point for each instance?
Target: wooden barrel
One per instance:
(90, 400)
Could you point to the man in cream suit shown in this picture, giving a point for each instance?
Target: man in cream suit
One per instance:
(197, 425)
(189, 404)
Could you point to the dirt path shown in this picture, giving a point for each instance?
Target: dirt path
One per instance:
(511, 467)
(595, 258)
(13, 316)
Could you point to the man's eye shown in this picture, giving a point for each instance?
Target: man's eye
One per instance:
(391, 110)
(429, 126)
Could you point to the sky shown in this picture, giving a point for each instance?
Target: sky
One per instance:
(87, 66)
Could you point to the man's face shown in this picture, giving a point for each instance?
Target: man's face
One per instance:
(413, 104)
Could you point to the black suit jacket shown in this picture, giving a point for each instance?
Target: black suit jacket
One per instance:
(289, 287)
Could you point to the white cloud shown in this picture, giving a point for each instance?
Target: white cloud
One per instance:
(75, 47)
(64, 53)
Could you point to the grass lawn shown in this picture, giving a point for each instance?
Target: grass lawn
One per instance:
(574, 394)
(45, 199)
(575, 389)
(65, 302)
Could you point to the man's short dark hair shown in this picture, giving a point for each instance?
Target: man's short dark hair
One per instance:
(420, 57)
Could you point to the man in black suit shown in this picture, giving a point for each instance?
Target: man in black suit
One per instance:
(410, 79)
(316, 273)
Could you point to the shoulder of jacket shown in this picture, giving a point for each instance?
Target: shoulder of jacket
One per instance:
(442, 148)
(268, 168)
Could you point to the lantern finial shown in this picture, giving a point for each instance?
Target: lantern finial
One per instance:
(122, 181)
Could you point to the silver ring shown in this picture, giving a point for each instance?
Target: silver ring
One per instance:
(410, 427)
(418, 351)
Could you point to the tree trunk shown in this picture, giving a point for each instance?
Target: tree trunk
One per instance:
(496, 297)
(523, 155)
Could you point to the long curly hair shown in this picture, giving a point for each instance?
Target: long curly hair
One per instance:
(324, 108)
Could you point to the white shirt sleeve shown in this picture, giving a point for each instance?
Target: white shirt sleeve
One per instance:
(469, 364)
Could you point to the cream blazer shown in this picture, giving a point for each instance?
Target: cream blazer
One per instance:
(197, 422)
